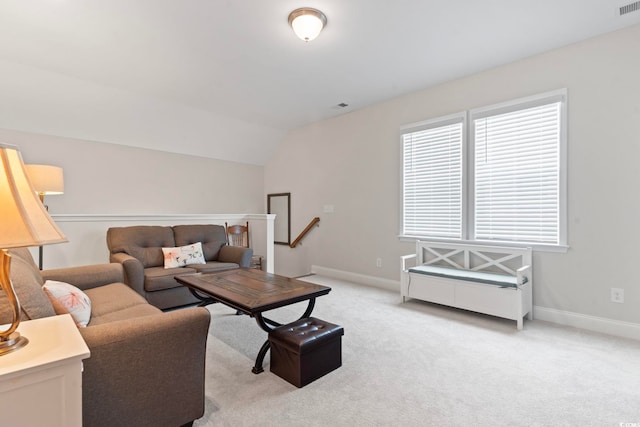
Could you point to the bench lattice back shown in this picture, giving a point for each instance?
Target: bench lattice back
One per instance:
(473, 257)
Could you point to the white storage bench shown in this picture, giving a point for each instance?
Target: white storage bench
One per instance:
(486, 279)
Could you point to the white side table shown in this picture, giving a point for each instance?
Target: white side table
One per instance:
(41, 384)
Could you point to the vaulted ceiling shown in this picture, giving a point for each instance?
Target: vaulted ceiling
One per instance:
(238, 65)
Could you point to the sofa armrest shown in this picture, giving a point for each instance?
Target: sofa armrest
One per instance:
(238, 254)
(86, 276)
(147, 370)
(133, 271)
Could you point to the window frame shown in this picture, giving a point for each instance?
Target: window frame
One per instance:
(468, 168)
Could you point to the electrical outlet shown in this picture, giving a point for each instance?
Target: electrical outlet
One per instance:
(617, 295)
(378, 262)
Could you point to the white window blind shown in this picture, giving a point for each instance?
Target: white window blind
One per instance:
(517, 175)
(432, 181)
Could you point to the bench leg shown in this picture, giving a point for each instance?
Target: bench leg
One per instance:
(519, 323)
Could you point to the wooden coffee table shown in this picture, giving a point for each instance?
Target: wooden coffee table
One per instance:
(253, 292)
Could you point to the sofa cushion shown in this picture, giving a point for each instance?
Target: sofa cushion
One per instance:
(160, 278)
(468, 275)
(117, 301)
(212, 237)
(212, 266)
(144, 242)
(113, 297)
(125, 314)
(27, 283)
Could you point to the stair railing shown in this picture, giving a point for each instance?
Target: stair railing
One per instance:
(308, 228)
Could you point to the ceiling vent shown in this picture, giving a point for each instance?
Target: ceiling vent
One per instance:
(631, 7)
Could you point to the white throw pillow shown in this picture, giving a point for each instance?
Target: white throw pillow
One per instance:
(76, 302)
(183, 255)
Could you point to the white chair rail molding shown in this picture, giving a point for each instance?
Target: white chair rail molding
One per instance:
(486, 279)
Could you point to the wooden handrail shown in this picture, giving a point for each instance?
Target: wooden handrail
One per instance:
(313, 222)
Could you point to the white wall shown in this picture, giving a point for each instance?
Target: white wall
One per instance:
(114, 185)
(102, 178)
(352, 162)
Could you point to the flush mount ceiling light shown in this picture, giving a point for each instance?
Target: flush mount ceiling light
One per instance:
(307, 22)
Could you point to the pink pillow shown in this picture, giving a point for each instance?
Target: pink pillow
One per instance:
(67, 297)
(183, 255)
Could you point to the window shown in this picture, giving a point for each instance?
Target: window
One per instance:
(506, 186)
(432, 165)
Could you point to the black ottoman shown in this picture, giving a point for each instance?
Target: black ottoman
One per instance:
(305, 350)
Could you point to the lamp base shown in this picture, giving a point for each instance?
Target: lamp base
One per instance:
(13, 342)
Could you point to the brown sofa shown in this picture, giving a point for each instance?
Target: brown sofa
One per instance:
(139, 250)
(146, 367)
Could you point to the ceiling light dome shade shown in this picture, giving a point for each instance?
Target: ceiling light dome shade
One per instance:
(307, 23)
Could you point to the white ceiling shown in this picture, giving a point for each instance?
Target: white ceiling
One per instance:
(239, 59)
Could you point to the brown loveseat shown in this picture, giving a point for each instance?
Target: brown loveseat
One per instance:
(146, 367)
(139, 250)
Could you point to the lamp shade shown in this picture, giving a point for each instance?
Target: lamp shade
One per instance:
(46, 179)
(24, 220)
(307, 23)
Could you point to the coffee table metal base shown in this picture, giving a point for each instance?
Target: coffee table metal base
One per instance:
(265, 324)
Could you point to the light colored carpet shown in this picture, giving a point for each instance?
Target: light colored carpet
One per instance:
(419, 364)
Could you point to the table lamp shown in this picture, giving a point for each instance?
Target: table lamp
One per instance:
(24, 222)
(46, 180)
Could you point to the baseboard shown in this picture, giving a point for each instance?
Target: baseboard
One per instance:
(565, 318)
(591, 323)
(362, 279)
